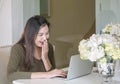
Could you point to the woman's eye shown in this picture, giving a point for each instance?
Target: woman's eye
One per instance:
(39, 34)
(47, 33)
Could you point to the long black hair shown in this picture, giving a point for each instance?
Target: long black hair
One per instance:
(31, 29)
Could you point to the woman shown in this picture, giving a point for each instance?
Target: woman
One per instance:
(32, 56)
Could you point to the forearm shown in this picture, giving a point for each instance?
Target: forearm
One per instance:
(18, 75)
(39, 75)
(47, 63)
(49, 74)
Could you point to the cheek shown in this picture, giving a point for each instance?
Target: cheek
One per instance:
(38, 38)
(47, 37)
(38, 42)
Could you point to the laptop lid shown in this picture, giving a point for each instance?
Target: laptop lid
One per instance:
(78, 67)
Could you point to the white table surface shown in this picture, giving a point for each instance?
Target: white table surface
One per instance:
(92, 78)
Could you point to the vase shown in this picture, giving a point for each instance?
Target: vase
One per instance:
(106, 71)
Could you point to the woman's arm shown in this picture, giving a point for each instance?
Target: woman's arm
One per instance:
(49, 63)
(45, 55)
(49, 74)
(15, 60)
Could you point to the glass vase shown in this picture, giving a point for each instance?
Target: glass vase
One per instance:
(106, 71)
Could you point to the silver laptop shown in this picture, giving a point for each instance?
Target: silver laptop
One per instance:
(78, 67)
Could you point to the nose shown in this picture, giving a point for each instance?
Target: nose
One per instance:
(44, 37)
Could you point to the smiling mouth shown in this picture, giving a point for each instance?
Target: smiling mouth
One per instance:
(42, 43)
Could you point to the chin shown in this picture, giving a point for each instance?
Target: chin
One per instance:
(40, 45)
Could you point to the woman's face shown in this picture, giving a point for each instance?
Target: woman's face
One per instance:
(42, 36)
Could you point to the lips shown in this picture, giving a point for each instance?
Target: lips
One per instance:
(42, 43)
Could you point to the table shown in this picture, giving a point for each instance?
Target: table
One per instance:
(92, 78)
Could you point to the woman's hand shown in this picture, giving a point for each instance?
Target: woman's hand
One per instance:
(49, 74)
(57, 72)
(44, 56)
(45, 50)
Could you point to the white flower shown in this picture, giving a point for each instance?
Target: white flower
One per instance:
(99, 46)
(112, 29)
(96, 53)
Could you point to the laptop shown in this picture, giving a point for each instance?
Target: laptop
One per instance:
(78, 67)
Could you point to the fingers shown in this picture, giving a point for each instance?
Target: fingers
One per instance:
(45, 45)
(61, 73)
(45, 48)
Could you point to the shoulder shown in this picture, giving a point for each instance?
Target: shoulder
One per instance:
(17, 53)
(17, 48)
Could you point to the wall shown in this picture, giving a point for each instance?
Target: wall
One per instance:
(13, 16)
(30, 8)
(5, 22)
(11, 21)
(17, 19)
(70, 21)
(106, 12)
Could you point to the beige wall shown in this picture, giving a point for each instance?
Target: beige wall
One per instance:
(70, 21)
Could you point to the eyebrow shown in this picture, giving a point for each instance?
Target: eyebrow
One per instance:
(42, 33)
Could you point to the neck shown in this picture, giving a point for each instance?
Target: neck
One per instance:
(37, 53)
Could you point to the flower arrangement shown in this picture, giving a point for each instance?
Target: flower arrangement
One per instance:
(99, 47)
(103, 48)
(113, 29)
